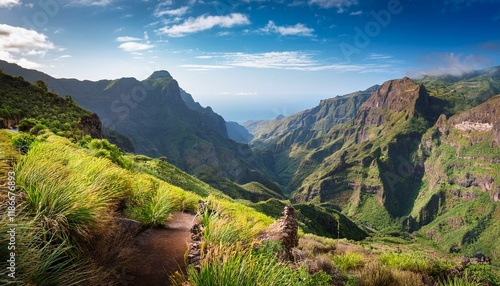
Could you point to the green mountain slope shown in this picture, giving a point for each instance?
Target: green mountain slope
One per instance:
(153, 114)
(20, 100)
(458, 204)
(400, 164)
(291, 138)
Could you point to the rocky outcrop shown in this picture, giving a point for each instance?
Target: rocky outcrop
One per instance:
(482, 118)
(389, 102)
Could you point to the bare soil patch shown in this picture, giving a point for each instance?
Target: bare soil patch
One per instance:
(158, 252)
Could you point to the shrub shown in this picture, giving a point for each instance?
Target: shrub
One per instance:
(23, 142)
(482, 274)
(26, 124)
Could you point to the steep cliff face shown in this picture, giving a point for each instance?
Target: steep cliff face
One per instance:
(458, 202)
(280, 134)
(483, 118)
(395, 100)
(370, 167)
(213, 120)
(300, 141)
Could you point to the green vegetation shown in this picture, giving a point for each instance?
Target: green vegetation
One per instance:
(424, 195)
(67, 199)
(314, 219)
(349, 261)
(33, 108)
(235, 266)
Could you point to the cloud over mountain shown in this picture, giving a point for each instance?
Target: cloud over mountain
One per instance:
(17, 44)
(204, 22)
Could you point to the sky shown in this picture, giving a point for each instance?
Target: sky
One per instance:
(253, 59)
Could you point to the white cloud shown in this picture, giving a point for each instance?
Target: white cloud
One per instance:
(9, 3)
(16, 43)
(295, 30)
(91, 2)
(171, 12)
(450, 64)
(277, 60)
(359, 12)
(135, 47)
(205, 22)
(128, 39)
(288, 60)
(339, 4)
(205, 67)
(375, 56)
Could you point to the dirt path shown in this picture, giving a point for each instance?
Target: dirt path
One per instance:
(157, 253)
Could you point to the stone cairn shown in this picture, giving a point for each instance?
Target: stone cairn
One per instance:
(285, 230)
(194, 252)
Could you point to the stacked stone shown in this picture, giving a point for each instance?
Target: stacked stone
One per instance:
(194, 252)
(288, 229)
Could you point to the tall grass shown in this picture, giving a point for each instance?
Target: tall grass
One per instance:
(238, 266)
(244, 217)
(68, 191)
(69, 202)
(42, 259)
(375, 274)
(414, 262)
(349, 261)
(153, 201)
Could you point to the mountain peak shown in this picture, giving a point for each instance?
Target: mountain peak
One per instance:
(162, 74)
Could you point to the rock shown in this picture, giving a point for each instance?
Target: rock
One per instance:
(285, 230)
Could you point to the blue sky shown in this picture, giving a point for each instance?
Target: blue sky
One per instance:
(253, 59)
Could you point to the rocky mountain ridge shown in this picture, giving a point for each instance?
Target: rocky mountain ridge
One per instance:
(153, 114)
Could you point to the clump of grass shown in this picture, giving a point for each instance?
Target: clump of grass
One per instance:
(223, 230)
(349, 261)
(152, 208)
(414, 262)
(68, 191)
(374, 274)
(41, 257)
(153, 201)
(239, 266)
(404, 261)
(243, 217)
(457, 281)
(313, 244)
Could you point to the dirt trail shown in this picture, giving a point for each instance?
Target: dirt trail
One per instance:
(157, 253)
